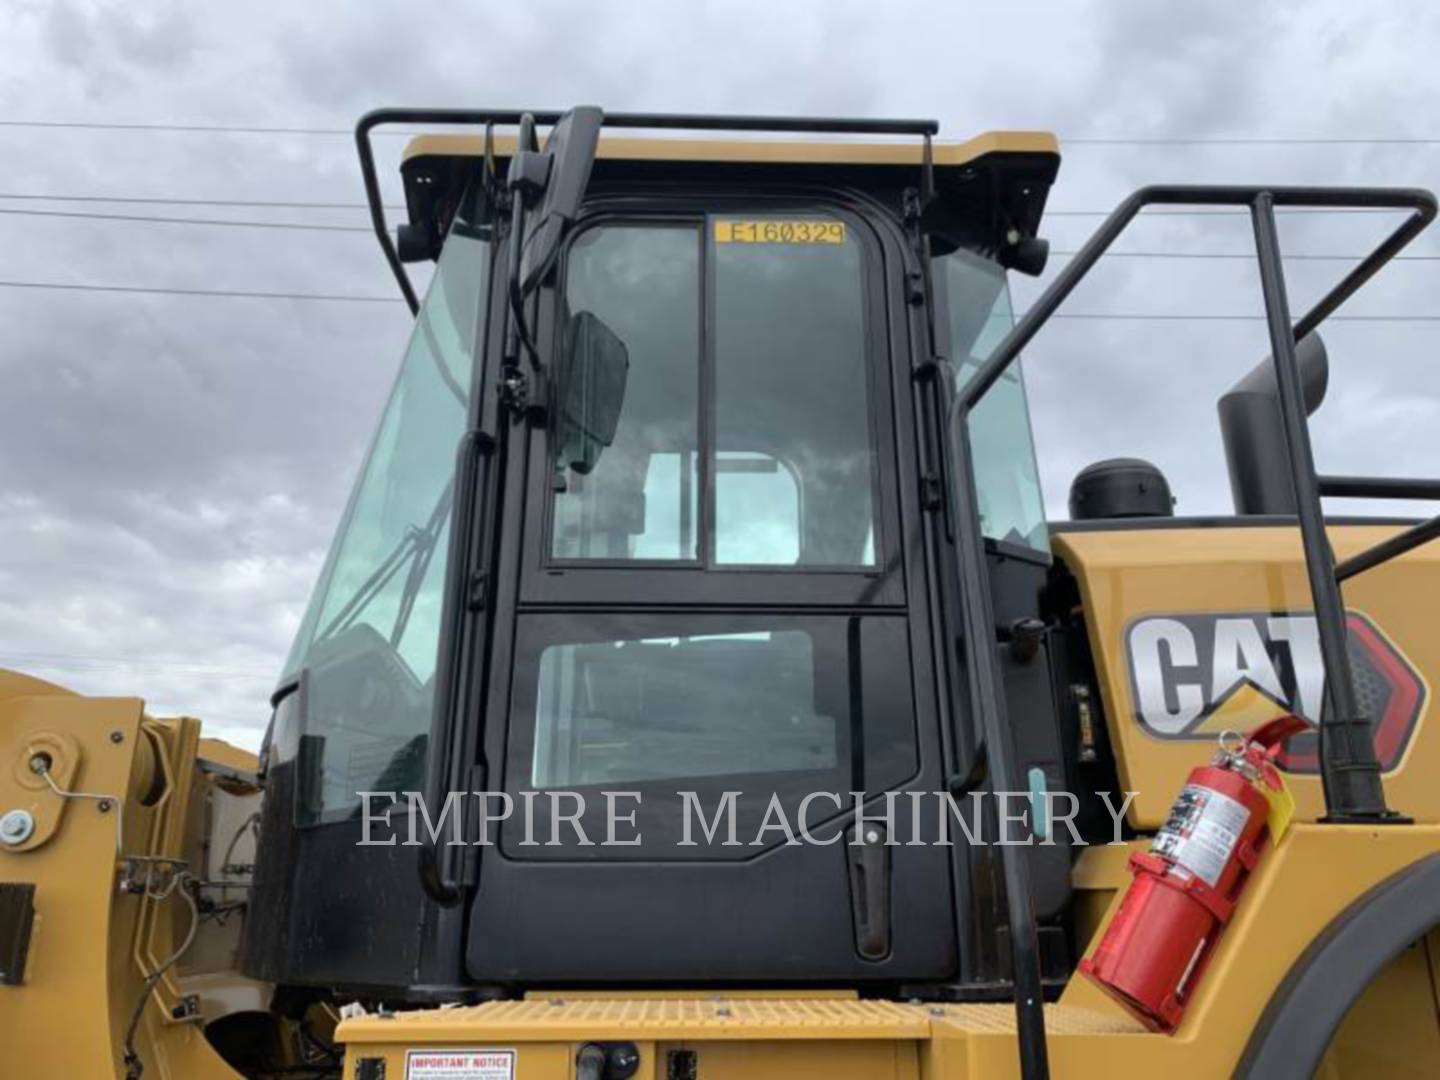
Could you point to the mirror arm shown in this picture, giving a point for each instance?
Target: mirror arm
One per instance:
(528, 174)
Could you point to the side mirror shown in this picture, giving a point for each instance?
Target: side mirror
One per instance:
(589, 391)
(570, 149)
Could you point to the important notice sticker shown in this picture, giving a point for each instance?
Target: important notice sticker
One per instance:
(460, 1065)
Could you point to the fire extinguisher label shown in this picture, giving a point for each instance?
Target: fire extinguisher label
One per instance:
(1201, 832)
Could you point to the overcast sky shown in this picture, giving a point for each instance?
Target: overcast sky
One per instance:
(171, 468)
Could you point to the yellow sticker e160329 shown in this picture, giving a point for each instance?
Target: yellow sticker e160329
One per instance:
(779, 231)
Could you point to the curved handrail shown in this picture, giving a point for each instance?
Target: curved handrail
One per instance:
(1349, 770)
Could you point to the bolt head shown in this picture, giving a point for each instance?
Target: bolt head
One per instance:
(117, 736)
(16, 826)
(103, 806)
(623, 1060)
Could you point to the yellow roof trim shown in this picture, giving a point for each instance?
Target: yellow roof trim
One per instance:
(775, 152)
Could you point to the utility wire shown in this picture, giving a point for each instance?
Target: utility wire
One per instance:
(320, 227)
(216, 129)
(1092, 140)
(1247, 255)
(154, 200)
(1149, 212)
(157, 220)
(237, 293)
(1091, 315)
(1243, 140)
(128, 661)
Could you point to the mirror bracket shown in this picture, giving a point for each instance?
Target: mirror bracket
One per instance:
(529, 174)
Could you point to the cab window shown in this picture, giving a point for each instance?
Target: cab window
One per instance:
(370, 637)
(975, 300)
(745, 436)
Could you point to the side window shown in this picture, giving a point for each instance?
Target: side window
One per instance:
(976, 301)
(745, 436)
(791, 390)
(370, 636)
(639, 501)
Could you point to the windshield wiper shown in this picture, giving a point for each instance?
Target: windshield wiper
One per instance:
(416, 546)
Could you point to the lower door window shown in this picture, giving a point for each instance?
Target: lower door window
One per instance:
(697, 716)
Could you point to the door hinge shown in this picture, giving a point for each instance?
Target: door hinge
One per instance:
(515, 392)
(914, 288)
(910, 206)
(478, 593)
(932, 494)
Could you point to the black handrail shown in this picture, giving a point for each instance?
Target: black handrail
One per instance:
(654, 121)
(1389, 549)
(978, 632)
(1379, 487)
(1349, 770)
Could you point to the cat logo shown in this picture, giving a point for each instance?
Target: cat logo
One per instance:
(1196, 676)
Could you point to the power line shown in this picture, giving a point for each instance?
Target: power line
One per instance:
(1091, 140)
(321, 227)
(153, 200)
(241, 670)
(279, 204)
(1221, 317)
(158, 220)
(243, 294)
(1246, 255)
(1243, 140)
(208, 129)
(1227, 212)
(166, 291)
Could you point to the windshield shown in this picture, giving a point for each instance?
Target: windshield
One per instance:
(975, 304)
(370, 637)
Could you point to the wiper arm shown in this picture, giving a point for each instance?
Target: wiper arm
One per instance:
(418, 543)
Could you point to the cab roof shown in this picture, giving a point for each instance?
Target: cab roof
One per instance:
(1001, 178)
(760, 151)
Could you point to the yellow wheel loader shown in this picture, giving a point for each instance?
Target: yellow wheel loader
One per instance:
(696, 690)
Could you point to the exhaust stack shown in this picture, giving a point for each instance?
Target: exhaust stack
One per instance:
(1254, 434)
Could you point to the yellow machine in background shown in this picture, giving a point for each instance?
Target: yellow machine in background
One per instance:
(745, 498)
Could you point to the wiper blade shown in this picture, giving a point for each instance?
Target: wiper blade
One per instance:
(418, 544)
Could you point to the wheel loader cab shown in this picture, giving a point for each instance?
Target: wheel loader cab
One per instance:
(702, 555)
(693, 633)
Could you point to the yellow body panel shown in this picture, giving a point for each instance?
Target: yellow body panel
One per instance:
(768, 151)
(82, 975)
(1295, 893)
(1125, 575)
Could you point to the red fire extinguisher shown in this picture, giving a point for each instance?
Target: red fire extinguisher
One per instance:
(1185, 888)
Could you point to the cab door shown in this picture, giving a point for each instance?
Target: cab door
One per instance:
(709, 635)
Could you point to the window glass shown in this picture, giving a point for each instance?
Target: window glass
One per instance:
(759, 500)
(639, 501)
(791, 389)
(618, 711)
(370, 637)
(977, 302)
(764, 705)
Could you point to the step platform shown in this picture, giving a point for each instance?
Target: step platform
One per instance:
(704, 1037)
